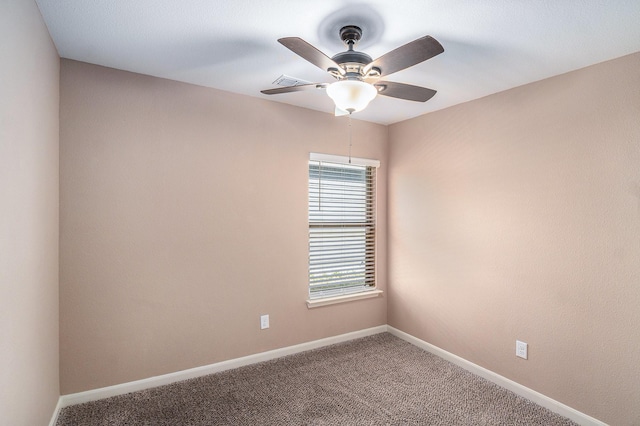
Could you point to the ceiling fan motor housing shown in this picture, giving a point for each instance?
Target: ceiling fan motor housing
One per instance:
(351, 60)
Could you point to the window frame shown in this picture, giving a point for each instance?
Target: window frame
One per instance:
(319, 299)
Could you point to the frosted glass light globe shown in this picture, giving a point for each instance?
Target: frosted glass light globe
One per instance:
(351, 95)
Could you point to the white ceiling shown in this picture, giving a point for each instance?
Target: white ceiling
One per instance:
(490, 45)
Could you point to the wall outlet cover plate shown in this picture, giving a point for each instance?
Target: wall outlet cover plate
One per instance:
(521, 349)
(264, 322)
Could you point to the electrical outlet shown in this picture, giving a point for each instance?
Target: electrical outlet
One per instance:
(521, 349)
(264, 321)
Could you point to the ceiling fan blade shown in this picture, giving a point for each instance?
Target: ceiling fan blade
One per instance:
(298, 88)
(406, 56)
(310, 53)
(404, 91)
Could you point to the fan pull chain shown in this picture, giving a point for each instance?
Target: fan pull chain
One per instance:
(349, 138)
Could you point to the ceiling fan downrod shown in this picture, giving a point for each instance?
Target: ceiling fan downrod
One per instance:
(350, 35)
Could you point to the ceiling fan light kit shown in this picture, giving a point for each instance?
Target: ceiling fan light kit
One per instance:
(351, 95)
(358, 75)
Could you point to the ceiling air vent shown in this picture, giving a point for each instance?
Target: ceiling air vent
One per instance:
(287, 81)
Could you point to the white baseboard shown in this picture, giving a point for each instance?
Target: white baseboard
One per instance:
(54, 417)
(514, 387)
(165, 379)
(151, 382)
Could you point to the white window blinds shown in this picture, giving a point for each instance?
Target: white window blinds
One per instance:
(342, 228)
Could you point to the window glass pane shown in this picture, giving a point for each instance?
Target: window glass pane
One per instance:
(341, 229)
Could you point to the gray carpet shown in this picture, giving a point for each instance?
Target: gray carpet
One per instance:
(377, 380)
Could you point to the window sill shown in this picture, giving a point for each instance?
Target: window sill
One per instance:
(316, 303)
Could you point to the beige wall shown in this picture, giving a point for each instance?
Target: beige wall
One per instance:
(28, 217)
(183, 219)
(517, 216)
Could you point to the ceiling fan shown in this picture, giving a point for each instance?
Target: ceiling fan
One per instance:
(358, 75)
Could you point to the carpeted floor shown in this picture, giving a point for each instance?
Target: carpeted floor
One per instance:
(377, 380)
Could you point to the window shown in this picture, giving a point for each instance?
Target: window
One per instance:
(342, 226)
